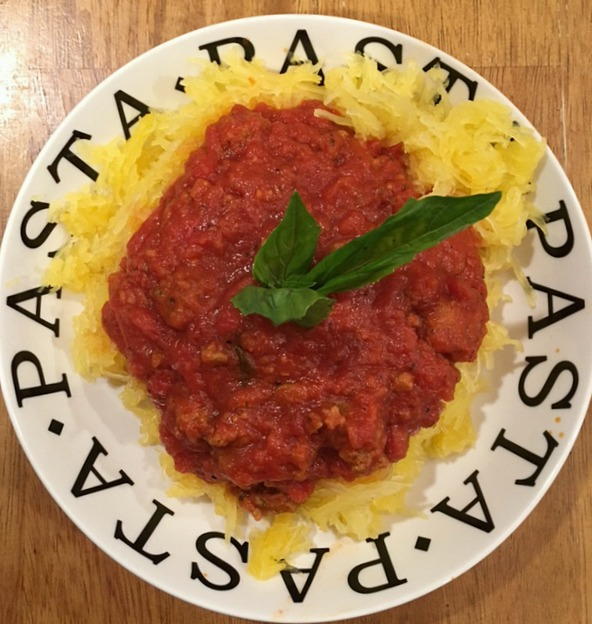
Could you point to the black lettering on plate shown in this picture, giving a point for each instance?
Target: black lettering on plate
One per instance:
(453, 76)
(201, 545)
(73, 158)
(140, 541)
(214, 53)
(383, 560)
(298, 595)
(462, 515)
(564, 366)
(14, 301)
(395, 49)
(553, 315)
(121, 98)
(538, 460)
(179, 86)
(301, 38)
(88, 467)
(32, 242)
(24, 357)
(561, 214)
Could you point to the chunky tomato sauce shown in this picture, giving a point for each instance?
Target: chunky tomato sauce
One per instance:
(270, 410)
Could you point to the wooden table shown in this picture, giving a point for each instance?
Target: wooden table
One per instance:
(52, 52)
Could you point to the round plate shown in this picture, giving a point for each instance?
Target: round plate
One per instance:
(83, 444)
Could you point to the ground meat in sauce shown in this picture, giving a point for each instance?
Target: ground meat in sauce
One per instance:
(271, 410)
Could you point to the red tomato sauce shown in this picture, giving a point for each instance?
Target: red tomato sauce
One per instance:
(270, 410)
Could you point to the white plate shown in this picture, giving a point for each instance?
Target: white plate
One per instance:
(67, 426)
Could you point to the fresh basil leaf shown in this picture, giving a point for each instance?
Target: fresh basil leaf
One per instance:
(301, 305)
(289, 249)
(420, 224)
(317, 312)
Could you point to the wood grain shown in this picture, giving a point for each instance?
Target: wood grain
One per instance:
(52, 52)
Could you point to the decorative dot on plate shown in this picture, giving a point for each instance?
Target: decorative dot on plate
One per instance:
(55, 426)
(423, 543)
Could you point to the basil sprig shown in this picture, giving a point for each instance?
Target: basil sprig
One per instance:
(292, 291)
